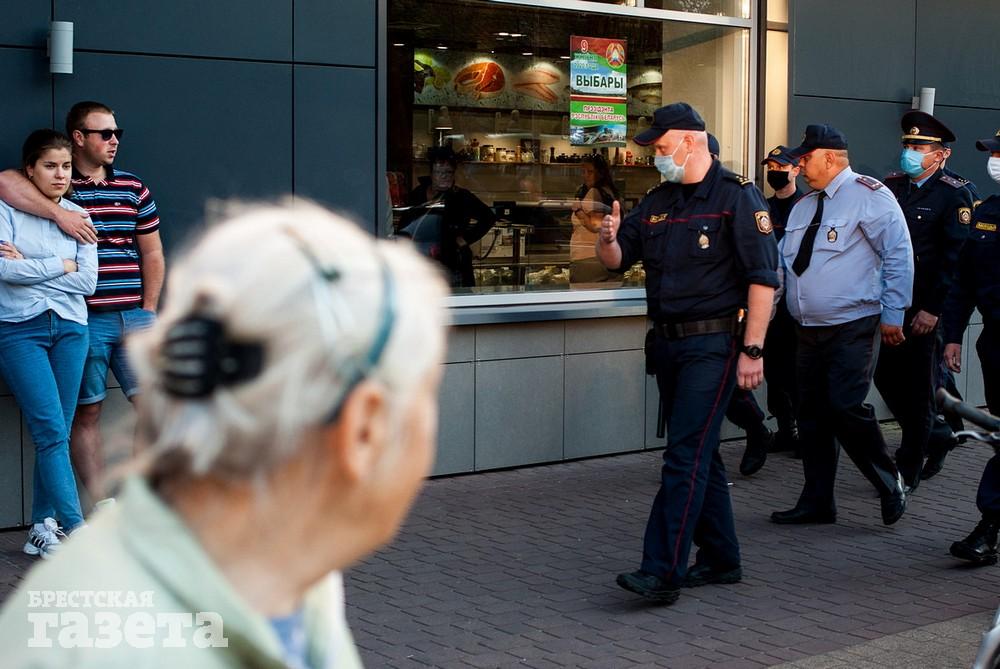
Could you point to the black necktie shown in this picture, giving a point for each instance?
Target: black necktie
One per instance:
(802, 258)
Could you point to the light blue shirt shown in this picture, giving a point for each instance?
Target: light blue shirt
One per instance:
(39, 282)
(862, 260)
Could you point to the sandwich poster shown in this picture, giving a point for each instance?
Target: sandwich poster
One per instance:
(598, 91)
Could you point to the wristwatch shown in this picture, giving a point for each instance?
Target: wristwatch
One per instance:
(754, 352)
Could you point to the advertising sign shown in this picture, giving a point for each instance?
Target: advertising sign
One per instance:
(598, 91)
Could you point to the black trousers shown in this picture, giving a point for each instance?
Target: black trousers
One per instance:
(904, 377)
(834, 367)
(988, 348)
(779, 366)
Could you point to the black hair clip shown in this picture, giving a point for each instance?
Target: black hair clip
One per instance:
(197, 358)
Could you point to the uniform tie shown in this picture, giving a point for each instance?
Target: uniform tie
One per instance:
(802, 258)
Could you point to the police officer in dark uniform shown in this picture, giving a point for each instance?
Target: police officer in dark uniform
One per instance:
(938, 208)
(704, 236)
(743, 410)
(779, 363)
(978, 287)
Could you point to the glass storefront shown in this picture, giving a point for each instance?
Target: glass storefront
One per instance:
(501, 163)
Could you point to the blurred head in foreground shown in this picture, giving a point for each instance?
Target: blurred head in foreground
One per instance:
(289, 416)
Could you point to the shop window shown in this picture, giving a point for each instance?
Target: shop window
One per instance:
(489, 84)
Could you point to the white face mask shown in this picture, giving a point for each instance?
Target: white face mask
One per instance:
(993, 167)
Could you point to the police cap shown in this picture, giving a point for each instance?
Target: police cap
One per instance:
(992, 144)
(818, 137)
(922, 128)
(780, 154)
(678, 116)
(713, 145)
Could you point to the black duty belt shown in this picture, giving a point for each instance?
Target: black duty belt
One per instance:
(731, 324)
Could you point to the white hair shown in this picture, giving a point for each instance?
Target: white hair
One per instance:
(260, 274)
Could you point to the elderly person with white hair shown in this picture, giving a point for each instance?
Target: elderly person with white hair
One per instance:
(290, 421)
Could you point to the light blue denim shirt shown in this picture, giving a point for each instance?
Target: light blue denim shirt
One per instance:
(39, 282)
(862, 260)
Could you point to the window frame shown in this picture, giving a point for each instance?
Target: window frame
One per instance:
(515, 307)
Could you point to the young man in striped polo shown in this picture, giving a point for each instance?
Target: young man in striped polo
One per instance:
(130, 268)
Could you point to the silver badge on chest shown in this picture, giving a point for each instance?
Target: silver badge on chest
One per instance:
(831, 236)
(703, 241)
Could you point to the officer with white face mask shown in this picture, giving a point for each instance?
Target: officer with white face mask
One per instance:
(938, 209)
(978, 287)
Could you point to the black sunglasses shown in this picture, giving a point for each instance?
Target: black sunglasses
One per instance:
(105, 134)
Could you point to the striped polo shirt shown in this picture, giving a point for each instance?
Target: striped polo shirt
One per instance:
(120, 207)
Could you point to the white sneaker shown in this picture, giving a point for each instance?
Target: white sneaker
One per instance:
(43, 539)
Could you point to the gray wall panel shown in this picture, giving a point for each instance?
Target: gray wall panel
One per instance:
(318, 22)
(457, 420)
(958, 53)
(652, 401)
(255, 29)
(226, 130)
(968, 126)
(461, 345)
(972, 370)
(519, 412)
(840, 49)
(604, 403)
(605, 334)
(872, 129)
(11, 482)
(522, 340)
(25, 23)
(27, 100)
(335, 139)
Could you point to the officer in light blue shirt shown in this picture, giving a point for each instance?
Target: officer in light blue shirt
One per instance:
(849, 275)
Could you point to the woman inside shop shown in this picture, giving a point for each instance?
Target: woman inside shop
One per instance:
(289, 418)
(458, 217)
(44, 276)
(593, 201)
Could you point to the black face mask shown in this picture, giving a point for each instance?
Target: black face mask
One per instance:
(777, 179)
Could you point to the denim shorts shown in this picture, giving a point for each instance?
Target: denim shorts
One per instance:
(108, 330)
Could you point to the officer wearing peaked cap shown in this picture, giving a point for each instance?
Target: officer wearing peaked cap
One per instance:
(848, 275)
(978, 287)
(938, 210)
(705, 239)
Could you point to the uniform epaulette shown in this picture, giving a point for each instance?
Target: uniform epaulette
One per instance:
(953, 181)
(894, 175)
(866, 180)
(738, 178)
(658, 186)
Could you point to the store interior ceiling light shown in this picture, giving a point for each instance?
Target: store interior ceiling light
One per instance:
(527, 53)
(443, 48)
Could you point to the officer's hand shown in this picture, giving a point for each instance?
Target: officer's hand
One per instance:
(749, 372)
(923, 323)
(77, 225)
(892, 335)
(609, 227)
(953, 357)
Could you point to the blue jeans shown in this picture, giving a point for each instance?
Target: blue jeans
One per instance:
(696, 376)
(108, 330)
(41, 360)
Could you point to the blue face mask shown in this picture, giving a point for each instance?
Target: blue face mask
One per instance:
(670, 170)
(911, 162)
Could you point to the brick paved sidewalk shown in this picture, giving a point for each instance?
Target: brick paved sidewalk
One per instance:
(516, 569)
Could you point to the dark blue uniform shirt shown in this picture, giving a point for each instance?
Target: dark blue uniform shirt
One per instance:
(702, 252)
(938, 214)
(978, 282)
(780, 208)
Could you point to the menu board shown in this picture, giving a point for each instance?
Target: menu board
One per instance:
(598, 92)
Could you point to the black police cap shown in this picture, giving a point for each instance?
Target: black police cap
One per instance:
(678, 116)
(922, 128)
(780, 154)
(992, 144)
(713, 145)
(818, 137)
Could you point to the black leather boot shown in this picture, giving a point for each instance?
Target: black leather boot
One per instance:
(759, 442)
(980, 547)
(787, 437)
